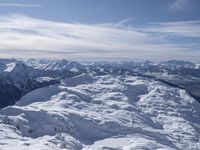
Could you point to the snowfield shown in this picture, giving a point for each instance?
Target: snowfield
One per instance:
(102, 113)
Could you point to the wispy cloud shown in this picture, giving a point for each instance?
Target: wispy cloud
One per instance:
(122, 22)
(23, 36)
(179, 5)
(19, 5)
(190, 29)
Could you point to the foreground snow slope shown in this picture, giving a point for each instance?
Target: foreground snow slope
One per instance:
(102, 112)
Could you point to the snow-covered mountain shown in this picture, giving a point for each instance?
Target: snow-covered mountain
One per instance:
(103, 112)
(20, 76)
(178, 64)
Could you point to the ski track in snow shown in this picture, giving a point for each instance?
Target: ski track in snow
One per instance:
(102, 113)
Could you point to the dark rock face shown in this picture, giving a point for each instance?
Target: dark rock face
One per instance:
(9, 94)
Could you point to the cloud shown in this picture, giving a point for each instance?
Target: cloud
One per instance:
(27, 37)
(179, 5)
(19, 5)
(121, 23)
(189, 29)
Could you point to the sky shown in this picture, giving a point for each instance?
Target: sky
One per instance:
(100, 29)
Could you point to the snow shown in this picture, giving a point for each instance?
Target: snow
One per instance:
(10, 139)
(102, 112)
(64, 65)
(36, 63)
(10, 67)
(44, 79)
(135, 141)
(197, 66)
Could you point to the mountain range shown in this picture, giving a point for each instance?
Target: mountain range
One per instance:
(61, 104)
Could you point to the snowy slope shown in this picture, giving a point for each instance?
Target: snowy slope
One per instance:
(197, 66)
(102, 112)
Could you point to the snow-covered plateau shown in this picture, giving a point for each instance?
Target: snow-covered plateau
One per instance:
(102, 112)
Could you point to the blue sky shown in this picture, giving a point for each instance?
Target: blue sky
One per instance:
(100, 29)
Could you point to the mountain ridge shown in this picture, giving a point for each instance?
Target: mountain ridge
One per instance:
(24, 73)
